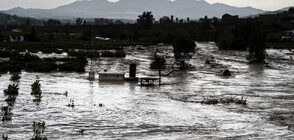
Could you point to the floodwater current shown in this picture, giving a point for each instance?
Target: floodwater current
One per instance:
(170, 111)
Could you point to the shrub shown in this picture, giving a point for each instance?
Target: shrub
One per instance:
(4, 68)
(72, 66)
(120, 53)
(107, 54)
(81, 53)
(29, 57)
(41, 66)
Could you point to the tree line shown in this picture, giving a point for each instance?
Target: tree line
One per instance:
(229, 32)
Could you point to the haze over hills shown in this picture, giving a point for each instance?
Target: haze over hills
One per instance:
(130, 9)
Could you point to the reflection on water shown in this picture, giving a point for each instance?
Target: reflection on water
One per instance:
(171, 111)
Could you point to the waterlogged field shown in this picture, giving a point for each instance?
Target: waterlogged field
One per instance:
(170, 111)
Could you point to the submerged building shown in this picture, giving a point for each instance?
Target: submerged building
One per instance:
(111, 76)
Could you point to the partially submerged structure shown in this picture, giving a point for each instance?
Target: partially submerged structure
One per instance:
(92, 73)
(111, 76)
(132, 73)
(120, 76)
(148, 81)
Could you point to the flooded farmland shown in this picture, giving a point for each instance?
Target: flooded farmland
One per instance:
(170, 111)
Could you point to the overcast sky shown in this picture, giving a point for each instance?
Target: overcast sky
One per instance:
(270, 5)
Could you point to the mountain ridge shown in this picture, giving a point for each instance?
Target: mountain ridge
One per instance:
(130, 9)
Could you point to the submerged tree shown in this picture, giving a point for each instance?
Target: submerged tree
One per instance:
(158, 61)
(38, 129)
(146, 19)
(257, 48)
(11, 90)
(15, 77)
(36, 88)
(184, 49)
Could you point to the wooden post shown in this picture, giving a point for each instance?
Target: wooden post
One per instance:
(159, 72)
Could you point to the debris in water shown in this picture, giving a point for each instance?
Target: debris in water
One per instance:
(227, 73)
(66, 93)
(71, 103)
(81, 131)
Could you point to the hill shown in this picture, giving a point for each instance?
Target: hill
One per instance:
(130, 9)
(6, 19)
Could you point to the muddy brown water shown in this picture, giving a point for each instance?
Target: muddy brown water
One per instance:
(170, 111)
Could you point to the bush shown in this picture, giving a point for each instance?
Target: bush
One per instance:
(81, 53)
(107, 54)
(120, 53)
(14, 68)
(117, 53)
(72, 66)
(29, 57)
(4, 68)
(41, 66)
(239, 44)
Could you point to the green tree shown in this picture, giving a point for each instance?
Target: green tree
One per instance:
(291, 10)
(28, 22)
(257, 48)
(146, 19)
(79, 21)
(184, 49)
(1, 36)
(52, 22)
(165, 19)
(205, 29)
(32, 36)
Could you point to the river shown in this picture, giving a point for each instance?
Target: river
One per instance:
(170, 111)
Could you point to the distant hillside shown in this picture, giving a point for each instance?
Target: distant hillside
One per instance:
(278, 11)
(130, 9)
(6, 19)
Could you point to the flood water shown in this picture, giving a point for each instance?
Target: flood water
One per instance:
(170, 111)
